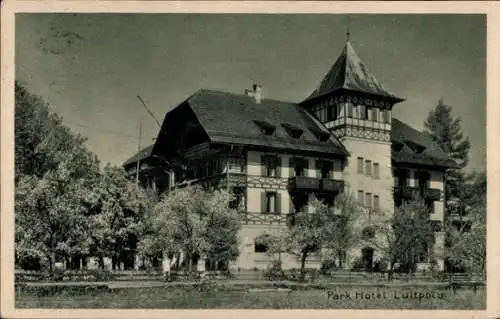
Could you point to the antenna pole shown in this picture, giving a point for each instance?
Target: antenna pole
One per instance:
(138, 154)
(348, 33)
(149, 112)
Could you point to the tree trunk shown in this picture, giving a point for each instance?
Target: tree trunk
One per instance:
(303, 266)
(189, 259)
(52, 256)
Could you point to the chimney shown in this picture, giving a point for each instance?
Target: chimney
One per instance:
(255, 93)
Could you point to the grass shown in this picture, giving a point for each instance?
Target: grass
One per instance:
(224, 296)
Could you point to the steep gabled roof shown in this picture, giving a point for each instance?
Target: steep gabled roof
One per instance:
(231, 119)
(350, 73)
(416, 147)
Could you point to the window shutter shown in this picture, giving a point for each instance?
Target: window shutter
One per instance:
(318, 168)
(278, 203)
(306, 167)
(376, 202)
(291, 164)
(278, 166)
(291, 207)
(332, 168)
(263, 165)
(263, 202)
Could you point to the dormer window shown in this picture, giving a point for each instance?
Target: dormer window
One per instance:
(292, 130)
(397, 146)
(322, 136)
(417, 148)
(265, 127)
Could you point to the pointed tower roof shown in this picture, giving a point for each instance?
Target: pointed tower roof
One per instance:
(350, 73)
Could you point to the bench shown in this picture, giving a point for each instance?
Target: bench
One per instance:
(465, 280)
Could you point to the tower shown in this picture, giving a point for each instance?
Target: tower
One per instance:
(357, 109)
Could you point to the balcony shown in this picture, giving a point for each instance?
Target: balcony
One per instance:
(407, 192)
(331, 185)
(302, 183)
(237, 179)
(432, 194)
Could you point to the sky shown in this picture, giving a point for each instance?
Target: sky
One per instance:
(90, 68)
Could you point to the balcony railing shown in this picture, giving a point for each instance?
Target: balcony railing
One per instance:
(302, 183)
(331, 185)
(432, 194)
(237, 178)
(407, 192)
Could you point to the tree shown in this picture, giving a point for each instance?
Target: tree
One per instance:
(322, 228)
(413, 234)
(222, 229)
(119, 219)
(197, 223)
(446, 131)
(467, 238)
(469, 247)
(50, 210)
(41, 140)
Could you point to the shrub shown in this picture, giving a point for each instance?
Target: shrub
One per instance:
(327, 267)
(274, 271)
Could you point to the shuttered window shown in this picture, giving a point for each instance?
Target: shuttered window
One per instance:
(270, 165)
(368, 168)
(376, 170)
(361, 198)
(376, 202)
(368, 200)
(271, 202)
(360, 165)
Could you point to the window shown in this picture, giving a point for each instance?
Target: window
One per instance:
(363, 115)
(265, 127)
(387, 116)
(376, 202)
(361, 197)
(360, 165)
(376, 170)
(292, 130)
(368, 168)
(260, 247)
(375, 114)
(329, 116)
(349, 110)
(355, 111)
(271, 203)
(299, 166)
(324, 169)
(236, 165)
(270, 165)
(368, 200)
(237, 200)
(332, 112)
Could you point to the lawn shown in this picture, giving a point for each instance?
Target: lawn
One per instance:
(239, 297)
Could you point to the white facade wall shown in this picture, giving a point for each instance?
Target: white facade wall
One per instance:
(248, 258)
(376, 152)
